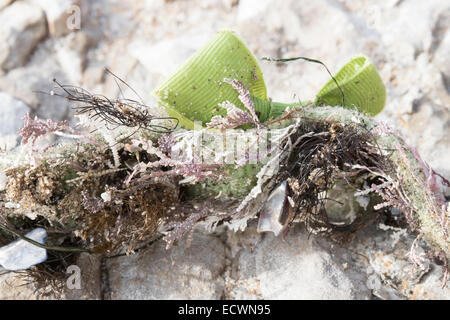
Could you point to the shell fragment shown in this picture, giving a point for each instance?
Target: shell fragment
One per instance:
(273, 210)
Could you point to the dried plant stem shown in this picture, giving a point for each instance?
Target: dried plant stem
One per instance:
(43, 246)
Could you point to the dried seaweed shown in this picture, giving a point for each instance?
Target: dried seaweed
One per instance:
(119, 112)
(49, 277)
(117, 209)
(322, 153)
(35, 128)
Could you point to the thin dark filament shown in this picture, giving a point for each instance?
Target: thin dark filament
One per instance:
(313, 61)
(119, 112)
(40, 245)
(128, 86)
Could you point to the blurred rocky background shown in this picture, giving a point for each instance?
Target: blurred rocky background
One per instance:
(144, 41)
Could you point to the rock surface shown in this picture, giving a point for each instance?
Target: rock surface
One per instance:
(385, 254)
(63, 16)
(15, 287)
(89, 285)
(32, 85)
(5, 3)
(21, 255)
(143, 41)
(179, 273)
(13, 110)
(268, 267)
(11, 115)
(23, 26)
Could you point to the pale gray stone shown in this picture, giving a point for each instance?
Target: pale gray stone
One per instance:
(62, 16)
(5, 3)
(441, 58)
(90, 279)
(12, 112)
(178, 273)
(15, 287)
(294, 268)
(21, 254)
(11, 115)
(387, 254)
(169, 54)
(33, 84)
(23, 26)
(70, 53)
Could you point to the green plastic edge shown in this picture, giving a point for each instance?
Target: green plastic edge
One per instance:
(362, 86)
(194, 91)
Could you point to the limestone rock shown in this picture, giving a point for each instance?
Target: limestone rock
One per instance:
(386, 254)
(70, 54)
(63, 16)
(11, 115)
(441, 59)
(21, 255)
(5, 3)
(178, 273)
(169, 54)
(297, 268)
(90, 287)
(27, 83)
(23, 26)
(15, 287)
(12, 112)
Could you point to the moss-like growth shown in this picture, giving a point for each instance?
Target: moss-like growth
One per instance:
(230, 183)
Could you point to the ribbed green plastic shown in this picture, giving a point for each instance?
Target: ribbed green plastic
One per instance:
(196, 89)
(362, 86)
(267, 109)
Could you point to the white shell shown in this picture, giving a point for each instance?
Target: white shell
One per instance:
(21, 255)
(269, 219)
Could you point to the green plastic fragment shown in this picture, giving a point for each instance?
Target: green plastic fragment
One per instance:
(196, 89)
(362, 86)
(194, 92)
